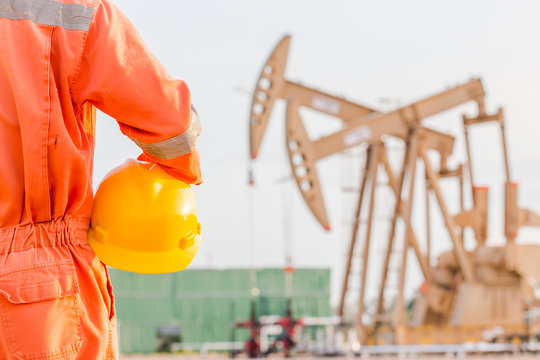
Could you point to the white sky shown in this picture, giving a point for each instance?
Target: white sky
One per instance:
(363, 50)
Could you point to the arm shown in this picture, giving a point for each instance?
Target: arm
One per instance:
(120, 76)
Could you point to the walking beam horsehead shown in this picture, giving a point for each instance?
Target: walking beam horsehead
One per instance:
(272, 85)
(304, 153)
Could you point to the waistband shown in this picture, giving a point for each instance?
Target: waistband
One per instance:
(48, 234)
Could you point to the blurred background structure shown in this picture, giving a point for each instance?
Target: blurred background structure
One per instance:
(471, 289)
(190, 309)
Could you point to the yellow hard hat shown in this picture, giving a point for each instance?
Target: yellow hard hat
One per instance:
(144, 220)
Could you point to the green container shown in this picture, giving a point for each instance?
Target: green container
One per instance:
(203, 304)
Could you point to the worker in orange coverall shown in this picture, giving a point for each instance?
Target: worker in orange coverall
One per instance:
(59, 59)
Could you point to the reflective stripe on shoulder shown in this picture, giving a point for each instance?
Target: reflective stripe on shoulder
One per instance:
(48, 12)
(177, 145)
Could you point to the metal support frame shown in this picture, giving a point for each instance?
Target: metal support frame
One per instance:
(412, 144)
(463, 262)
(372, 175)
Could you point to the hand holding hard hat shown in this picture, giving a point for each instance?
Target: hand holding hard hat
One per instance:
(144, 220)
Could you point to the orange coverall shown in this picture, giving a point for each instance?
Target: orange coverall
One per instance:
(59, 59)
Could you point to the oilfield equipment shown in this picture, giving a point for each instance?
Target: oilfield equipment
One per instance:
(479, 294)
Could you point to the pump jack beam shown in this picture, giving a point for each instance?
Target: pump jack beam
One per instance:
(272, 85)
(304, 153)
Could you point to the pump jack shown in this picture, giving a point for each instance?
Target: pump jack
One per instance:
(459, 276)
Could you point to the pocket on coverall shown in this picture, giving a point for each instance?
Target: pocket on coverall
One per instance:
(40, 311)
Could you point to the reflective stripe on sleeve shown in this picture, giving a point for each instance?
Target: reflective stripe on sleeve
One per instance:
(177, 145)
(48, 12)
